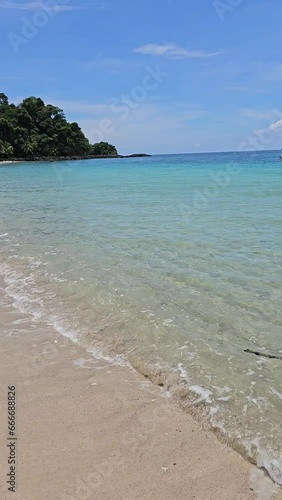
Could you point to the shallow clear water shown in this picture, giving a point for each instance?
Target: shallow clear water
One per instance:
(174, 262)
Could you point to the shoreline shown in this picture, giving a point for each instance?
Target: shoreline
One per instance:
(8, 162)
(48, 159)
(100, 424)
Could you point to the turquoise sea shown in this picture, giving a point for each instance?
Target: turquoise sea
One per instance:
(172, 264)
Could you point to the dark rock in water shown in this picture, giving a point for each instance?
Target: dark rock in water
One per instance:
(264, 354)
(138, 155)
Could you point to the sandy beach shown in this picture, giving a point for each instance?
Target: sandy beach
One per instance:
(87, 428)
(9, 162)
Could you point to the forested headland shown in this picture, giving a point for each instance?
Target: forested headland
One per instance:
(34, 130)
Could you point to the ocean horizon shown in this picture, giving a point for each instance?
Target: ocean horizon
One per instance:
(170, 264)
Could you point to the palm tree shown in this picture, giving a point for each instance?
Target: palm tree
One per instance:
(6, 149)
(30, 145)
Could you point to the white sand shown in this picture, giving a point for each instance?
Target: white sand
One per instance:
(91, 430)
(4, 162)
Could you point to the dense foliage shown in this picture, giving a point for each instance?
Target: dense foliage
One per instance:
(104, 149)
(34, 129)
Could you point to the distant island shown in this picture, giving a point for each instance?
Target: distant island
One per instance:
(34, 131)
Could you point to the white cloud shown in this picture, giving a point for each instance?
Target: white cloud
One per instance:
(173, 51)
(148, 128)
(51, 6)
(275, 130)
(276, 125)
(271, 134)
(110, 109)
(256, 114)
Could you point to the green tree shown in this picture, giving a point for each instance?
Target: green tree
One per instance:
(6, 150)
(103, 149)
(3, 99)
(29, 147)
(34, 128)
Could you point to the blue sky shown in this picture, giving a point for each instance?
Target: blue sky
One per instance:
(158, 76)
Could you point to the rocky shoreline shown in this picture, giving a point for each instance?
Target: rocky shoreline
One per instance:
(70, 158)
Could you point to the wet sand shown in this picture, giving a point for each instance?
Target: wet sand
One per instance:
(89, 429)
